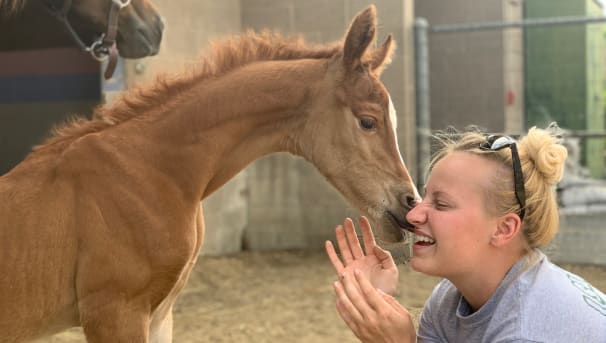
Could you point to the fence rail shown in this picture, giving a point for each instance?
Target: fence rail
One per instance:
(515, 24)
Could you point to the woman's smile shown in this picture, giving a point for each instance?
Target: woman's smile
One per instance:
(422, 241)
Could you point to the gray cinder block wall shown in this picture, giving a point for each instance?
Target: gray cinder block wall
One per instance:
(580, 239)
(476, 77)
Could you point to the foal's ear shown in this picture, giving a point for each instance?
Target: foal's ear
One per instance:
(360, 35)
(381, 57)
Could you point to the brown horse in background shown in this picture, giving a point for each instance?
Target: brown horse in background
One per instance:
(102, 224)
(139, 25)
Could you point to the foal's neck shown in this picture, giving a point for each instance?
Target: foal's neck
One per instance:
(228, 122)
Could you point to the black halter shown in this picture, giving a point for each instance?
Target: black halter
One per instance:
(104, 46)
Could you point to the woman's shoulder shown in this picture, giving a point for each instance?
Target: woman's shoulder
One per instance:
(552, 298)
(550, 281)
(546, 303)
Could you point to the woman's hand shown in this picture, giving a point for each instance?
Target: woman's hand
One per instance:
(373, 316)
(376, 264)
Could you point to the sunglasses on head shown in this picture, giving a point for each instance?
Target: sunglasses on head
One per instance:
(498, 142)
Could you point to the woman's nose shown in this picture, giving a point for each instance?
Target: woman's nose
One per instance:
(416, 214)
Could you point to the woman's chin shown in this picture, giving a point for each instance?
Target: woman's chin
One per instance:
(421, 265)
(416, 264)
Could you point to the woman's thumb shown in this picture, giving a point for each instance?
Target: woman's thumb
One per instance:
(384, 256)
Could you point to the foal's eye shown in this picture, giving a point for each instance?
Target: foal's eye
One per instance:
(368, 123)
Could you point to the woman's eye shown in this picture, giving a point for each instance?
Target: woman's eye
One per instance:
(441, 205)
(368, 123)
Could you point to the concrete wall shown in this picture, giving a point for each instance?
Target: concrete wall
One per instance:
(280, 202)
(475, 76)
(513, 68)
(580, 239)
(188, 29)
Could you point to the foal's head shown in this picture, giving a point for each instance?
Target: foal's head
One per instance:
(351, 132)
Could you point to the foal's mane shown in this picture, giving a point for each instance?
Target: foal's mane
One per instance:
(224, 55)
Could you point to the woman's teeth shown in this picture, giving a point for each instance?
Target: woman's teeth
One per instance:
(424, 239)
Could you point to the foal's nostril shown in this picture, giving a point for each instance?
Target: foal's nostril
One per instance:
(411, 201)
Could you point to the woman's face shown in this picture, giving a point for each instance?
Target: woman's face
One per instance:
(452, 225)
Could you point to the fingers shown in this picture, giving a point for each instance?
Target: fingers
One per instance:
(346, 316)
(371, 314)
(352, 239)
(395, 304)
(355, 295)
(384, 257)
(334, 259)
(367, 235)
(372, 297)
(343, 245)
(348, 312)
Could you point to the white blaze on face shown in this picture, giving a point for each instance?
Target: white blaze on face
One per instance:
(394, 124)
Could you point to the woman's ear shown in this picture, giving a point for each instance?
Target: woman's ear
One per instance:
(508, 227)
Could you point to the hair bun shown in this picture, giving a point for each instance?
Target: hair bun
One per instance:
(543, 148)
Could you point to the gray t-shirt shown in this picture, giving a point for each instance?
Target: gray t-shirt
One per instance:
(543, 303)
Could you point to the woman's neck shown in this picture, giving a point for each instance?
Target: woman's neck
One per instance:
(478, 286)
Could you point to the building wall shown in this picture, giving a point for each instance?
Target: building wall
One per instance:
(513, 68)
(580, 239)
(475, 76)
(596, 59)
(188, 29)
(280, 201)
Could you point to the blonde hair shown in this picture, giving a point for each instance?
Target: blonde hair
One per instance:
(542, 157)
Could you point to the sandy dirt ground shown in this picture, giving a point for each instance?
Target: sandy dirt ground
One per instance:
(279, 297)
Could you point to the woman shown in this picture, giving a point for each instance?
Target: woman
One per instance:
(489, 207)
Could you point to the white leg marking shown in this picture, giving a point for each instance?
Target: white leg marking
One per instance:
(163, 333)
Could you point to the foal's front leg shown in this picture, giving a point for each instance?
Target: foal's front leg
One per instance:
(106, 318)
